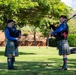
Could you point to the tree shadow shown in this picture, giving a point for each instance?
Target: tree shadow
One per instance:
(24, 53)
(20, 53)
(38, 68)
(59, 62)
(72, 63)
(30, 68)
(1, 53)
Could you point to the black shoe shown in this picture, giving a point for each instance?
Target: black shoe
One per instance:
(63, 69)
(12, 68)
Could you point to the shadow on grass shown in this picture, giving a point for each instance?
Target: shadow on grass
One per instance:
(23, 53)
(38, 68)
(1, 53)
(20, 53)
(72, 63)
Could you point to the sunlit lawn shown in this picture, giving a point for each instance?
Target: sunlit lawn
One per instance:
(37, 61)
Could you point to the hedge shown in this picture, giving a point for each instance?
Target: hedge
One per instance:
(71, 40)
(52, 42)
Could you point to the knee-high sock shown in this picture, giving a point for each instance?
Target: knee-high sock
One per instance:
(13, 60)
(9, 61)
(65, 60)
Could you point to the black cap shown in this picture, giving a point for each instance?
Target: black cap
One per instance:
(63, 16)
(10, 21)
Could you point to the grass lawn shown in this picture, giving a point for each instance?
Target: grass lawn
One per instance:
(37, 61)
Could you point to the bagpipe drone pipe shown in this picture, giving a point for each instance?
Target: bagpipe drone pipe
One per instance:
(72, 50)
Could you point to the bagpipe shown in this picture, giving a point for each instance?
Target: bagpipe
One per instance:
(72, 50)
(70, 18)
(17, 33)
(52, 26)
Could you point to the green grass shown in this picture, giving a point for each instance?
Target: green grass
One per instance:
(37, 61)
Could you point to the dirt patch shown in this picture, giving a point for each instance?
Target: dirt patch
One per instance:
(25, 40)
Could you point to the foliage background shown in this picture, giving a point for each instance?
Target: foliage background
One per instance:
(35, 14)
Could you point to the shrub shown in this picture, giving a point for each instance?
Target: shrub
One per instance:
(72, 40)
(52, 42)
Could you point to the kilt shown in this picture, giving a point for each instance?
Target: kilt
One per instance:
(10, 49)
(63, 47)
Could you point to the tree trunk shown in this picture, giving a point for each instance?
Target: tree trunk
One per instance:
(35, 37)
(47, 41)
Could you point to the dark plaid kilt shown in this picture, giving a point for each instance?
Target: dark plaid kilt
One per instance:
(63, 47)
(10, 49)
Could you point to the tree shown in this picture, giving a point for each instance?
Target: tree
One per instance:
(35, 13)
(56, 8)
(12, 9)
